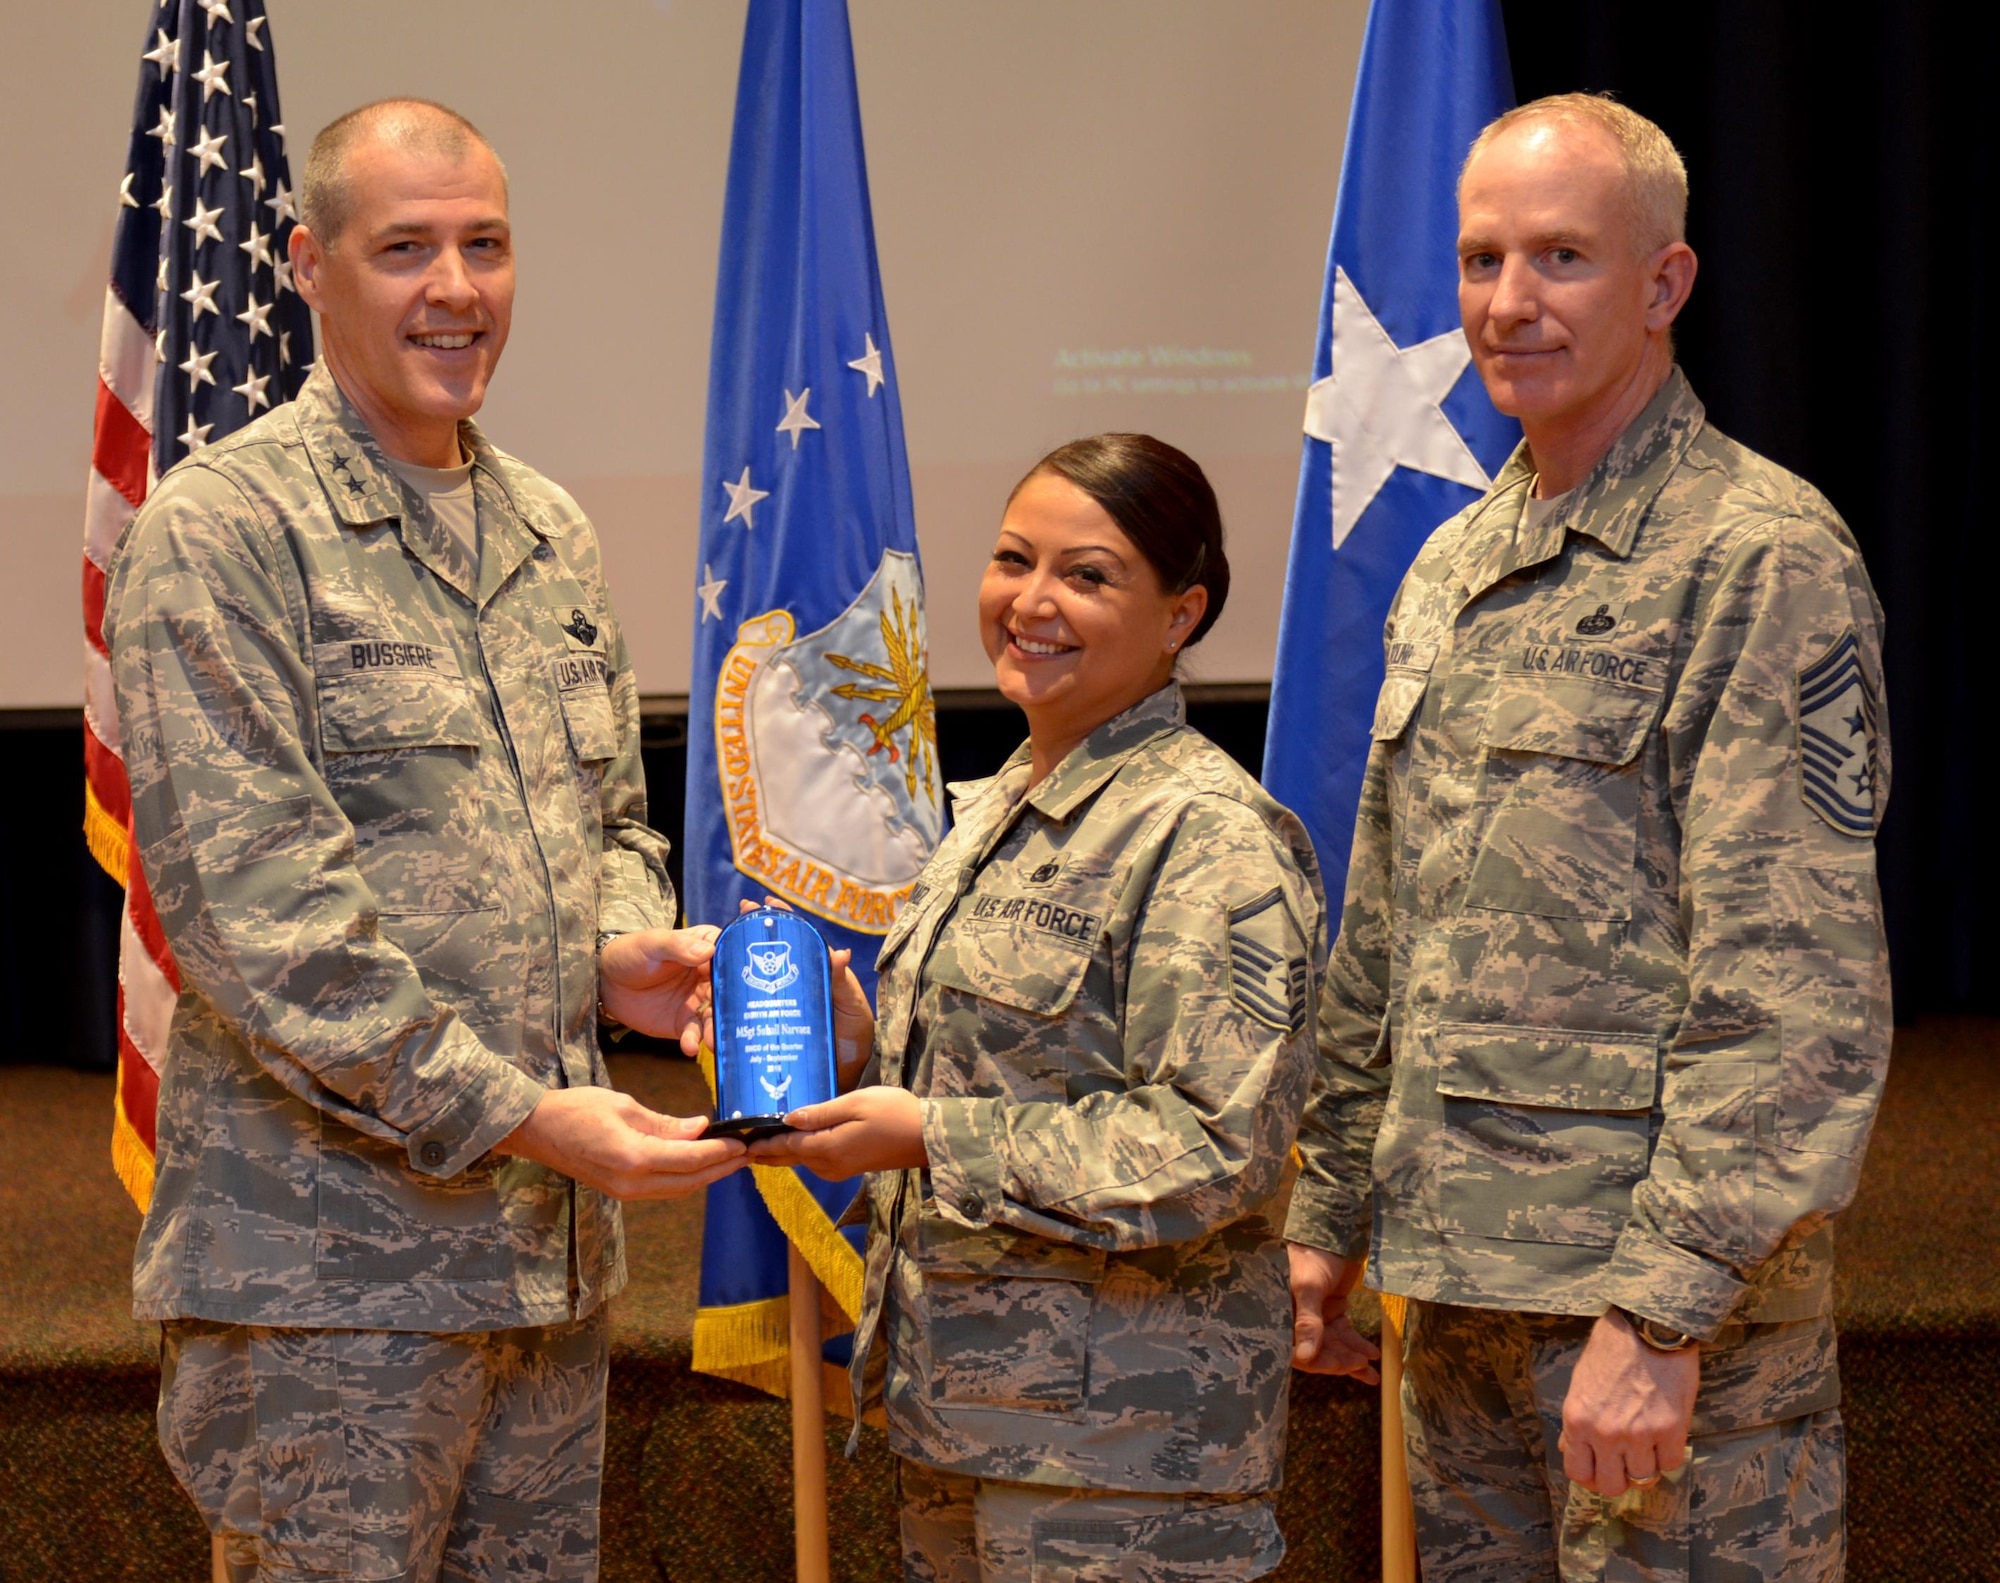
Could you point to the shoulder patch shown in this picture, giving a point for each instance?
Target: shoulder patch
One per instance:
(1268, 973)
(1837, 739)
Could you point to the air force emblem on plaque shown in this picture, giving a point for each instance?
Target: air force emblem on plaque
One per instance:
(1837, 739)
(770, 967)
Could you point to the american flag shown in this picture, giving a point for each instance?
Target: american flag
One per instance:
(202, 331)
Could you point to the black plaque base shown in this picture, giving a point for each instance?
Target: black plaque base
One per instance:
(748, 1128)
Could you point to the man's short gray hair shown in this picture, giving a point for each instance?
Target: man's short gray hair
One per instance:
(325, 198)
(1656, 182)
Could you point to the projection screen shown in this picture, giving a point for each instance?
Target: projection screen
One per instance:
(1091, 214)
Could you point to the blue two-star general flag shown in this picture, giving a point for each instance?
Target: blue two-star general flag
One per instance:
(1399, 433)
(812, 758)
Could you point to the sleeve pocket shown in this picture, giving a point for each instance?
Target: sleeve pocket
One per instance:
(1833, 1006)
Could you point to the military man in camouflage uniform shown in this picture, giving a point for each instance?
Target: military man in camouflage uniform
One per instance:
(383, 739)
(1608, 1015)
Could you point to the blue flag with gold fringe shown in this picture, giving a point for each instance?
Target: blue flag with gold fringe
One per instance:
(1399, 434)
(812, 740)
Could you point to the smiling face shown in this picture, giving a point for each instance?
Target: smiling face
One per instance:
(1074, 618)
(416, 291)
(1564, 314)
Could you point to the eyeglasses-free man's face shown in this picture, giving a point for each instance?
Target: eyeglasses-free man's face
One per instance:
(1557, 301)
(415, 292)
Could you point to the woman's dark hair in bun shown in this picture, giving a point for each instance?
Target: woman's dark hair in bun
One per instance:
(1161, 501)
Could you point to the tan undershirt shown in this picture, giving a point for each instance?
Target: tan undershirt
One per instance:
(448, 490)
(1535, 512)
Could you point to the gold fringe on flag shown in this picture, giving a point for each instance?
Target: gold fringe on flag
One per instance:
(107, 838)
(746, 1342)
(751, 1342)
(130, 1157)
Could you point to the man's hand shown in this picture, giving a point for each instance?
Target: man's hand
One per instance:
(872, 1129)
(656, 981)
(1626, 1418)
(609, 1141)
(1324, 1340)
(853, 1017)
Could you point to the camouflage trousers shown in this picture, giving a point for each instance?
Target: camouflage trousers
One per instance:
(393, 1456)
(1760, 1499)
(965, 1530)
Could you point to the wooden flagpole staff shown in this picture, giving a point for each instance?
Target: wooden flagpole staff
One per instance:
(809, 1527)
(1399, 1517)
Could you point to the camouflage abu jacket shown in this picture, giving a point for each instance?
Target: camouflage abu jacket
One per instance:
(1612, 939)
(1100, 989)
(384, 803)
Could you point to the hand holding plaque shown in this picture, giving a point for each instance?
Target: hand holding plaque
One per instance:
(773, 1023)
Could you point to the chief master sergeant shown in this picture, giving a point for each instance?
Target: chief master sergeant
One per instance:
(383, 742)
(1608, 1015)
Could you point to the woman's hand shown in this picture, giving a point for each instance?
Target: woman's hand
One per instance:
(853, 1017)
(872, 1129)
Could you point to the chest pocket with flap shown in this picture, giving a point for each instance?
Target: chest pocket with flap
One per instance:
(1407, 675)
(402, 760)
(1021, 967)
(1563, 773)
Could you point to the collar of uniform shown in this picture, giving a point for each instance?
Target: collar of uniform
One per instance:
(1611, 503)
(967, 795)
(358, 483)
(1490, 547)
(1101, 755)
(363, 490)
(1608, 505)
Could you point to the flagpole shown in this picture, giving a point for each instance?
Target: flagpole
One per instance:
(1399, 1517)
(808, 1423)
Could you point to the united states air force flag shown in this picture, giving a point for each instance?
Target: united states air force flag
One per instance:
(1399, 433)
(812, 761)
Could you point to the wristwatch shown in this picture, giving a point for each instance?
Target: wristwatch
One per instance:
(1659, 1337)
(605, 1019)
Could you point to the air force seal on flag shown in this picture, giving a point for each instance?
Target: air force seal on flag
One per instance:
(1837, 739)
(827, 748)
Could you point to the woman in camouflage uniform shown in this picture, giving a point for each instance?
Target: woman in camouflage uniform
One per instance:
(1091, 1051)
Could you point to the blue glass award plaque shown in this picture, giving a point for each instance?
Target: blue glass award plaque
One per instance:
(773, 1023)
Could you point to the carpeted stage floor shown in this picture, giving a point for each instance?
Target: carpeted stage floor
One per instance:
(697, 1475)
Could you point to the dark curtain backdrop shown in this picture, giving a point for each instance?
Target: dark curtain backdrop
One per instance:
(1842, 179)
(1842, 324)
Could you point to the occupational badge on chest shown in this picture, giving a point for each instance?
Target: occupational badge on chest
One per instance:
(1593, 620)
(1837, 739)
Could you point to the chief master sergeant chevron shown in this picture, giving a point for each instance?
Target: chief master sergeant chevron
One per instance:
(383, 741)
(1608, 1016)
